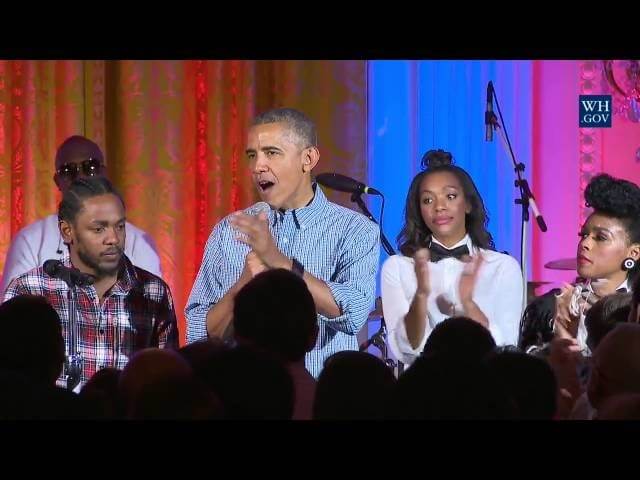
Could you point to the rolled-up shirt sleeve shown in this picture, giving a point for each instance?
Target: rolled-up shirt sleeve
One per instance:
(207, 289)
(353, 285)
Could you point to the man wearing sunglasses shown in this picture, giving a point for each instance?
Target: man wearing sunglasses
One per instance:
(77, 157)
(109, 308)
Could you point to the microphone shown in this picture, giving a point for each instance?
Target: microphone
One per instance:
(71, 276)
(343, 183)
(258, 208)
(537, 214)
(488, 114)
(532, 203)
(254, 210)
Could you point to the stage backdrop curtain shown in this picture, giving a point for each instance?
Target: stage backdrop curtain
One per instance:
(173, 133)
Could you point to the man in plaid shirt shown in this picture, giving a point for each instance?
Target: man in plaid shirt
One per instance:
(126, 308)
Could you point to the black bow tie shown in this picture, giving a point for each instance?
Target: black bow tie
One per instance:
(438, 252)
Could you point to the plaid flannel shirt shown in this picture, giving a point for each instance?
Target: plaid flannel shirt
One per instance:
(136, 313)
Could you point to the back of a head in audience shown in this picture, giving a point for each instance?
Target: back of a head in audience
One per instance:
(20, 396)
(199, 352)
(101, 393)
(604, 315)
(352, 386)
(25, 399)
(615, 365)
(276, 312)
(251, 384)
(620, 407)
(31, 341)
(450, 387)
(148, 367)
(176, 399)
(459, 336)
(529, 380)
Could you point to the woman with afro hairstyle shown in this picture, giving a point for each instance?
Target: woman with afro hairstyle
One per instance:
(607, 257)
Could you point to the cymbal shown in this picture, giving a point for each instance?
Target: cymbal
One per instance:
(562, 264)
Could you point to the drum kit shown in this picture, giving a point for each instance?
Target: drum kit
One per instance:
(379, 339)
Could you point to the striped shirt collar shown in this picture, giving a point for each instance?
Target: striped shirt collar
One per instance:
(307, 215)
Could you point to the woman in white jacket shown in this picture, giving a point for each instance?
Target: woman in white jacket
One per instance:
(448, 265)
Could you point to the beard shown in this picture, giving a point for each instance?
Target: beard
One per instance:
(94, 263)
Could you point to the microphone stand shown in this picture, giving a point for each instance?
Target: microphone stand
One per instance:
(526, 196)
(73, 361)
(357, 198)
(379, 339)
(73, 364)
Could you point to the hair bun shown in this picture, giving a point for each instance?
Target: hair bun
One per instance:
(436, 158)
(613, 196)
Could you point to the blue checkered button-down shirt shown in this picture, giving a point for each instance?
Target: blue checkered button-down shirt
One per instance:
(333, 243)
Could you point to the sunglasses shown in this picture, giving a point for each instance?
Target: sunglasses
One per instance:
(90, 167)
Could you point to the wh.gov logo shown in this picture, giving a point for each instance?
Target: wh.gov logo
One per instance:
(595, 111)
